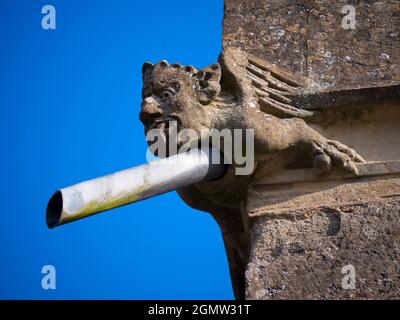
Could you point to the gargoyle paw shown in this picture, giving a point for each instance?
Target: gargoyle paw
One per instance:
(326, 152)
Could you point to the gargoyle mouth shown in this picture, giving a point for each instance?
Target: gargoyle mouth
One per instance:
(166, 126)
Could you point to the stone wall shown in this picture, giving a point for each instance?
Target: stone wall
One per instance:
(303, 233)
(307, 36)
(305, 253)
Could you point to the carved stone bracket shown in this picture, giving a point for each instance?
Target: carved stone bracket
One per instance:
(299, 190)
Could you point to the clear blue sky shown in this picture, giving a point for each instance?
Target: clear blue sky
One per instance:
(69, 101)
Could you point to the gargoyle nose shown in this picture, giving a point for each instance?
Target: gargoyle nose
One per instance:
(150, 111)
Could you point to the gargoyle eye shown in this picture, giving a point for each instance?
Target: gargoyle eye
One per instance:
(167, 94)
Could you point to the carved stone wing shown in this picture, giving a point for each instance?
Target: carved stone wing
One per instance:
(284, 94)
(267, 85)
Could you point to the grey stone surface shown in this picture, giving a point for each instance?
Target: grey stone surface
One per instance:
(306, 36)
(303, 258)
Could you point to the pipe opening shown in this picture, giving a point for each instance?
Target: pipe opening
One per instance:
(54, 210)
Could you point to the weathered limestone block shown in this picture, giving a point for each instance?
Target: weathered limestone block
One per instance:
(306, 231)
(306, 36)
(301, 256)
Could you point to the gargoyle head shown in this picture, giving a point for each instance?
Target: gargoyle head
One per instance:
(184, 94)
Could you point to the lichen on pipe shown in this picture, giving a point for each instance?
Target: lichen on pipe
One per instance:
(132, 185)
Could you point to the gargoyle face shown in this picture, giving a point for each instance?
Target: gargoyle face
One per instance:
(177, 93)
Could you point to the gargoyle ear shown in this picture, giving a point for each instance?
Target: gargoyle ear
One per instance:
(209, 83)
(147, 67)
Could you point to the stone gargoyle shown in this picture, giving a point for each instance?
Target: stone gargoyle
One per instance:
(241, 91)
